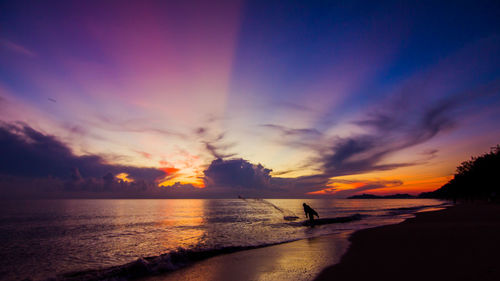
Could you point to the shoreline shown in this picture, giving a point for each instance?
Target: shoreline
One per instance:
(461, 242)
(300, 260)
(303, 259)
(297, 259)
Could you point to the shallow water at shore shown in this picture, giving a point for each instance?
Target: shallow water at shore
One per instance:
(47, 238)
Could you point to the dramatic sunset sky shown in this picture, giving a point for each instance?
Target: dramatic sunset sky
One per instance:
(258, 98)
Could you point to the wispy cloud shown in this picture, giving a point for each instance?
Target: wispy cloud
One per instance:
(215, 143)
(301, 132)
(17, 48)
(137, 125)
(355, 187)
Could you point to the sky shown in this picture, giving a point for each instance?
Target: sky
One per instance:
(208, 99)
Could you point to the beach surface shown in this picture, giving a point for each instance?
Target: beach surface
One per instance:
(299, 260)
(459, 243)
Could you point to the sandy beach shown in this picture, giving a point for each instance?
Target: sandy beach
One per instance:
(459, 243)
(299, 260)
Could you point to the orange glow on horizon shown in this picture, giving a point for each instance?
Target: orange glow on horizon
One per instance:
(169, 170)
(173, 177)
(414, 187)
(124, 177)
(336, 187)
(198, 183)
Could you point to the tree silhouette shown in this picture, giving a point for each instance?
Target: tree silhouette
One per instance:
(477, 178)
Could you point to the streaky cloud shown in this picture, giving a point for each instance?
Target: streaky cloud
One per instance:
(17, 48)
(362, 186)
(133, 125)
(301, 132)
(398, 126)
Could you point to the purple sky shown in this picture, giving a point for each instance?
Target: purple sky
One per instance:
(258, 98)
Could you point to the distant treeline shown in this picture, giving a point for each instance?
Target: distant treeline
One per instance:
(478, 178)
(392, 196)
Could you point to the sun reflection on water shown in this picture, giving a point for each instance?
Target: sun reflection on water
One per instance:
(186, 219)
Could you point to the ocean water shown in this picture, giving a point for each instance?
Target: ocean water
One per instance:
(119, 239)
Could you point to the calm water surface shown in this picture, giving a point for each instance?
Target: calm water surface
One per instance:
(45, 238)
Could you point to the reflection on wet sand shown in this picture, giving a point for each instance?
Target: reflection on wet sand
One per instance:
(299, 260)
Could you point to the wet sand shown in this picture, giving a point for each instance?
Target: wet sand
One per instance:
(298, 260)
(459, 243)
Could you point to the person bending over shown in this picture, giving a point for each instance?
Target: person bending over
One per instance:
(310, 212)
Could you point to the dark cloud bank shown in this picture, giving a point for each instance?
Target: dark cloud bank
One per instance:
(37, 165)
(34, 164)
(29, 153)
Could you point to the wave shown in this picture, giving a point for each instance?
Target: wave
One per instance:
(150, 266)
(322, 221)
(408, 210)
(416, 208)
(333, 220)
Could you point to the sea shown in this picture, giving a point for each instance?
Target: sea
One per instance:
(123, 239)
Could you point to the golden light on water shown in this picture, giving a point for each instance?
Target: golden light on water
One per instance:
(189, 216)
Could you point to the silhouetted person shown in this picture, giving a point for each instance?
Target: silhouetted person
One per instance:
(310, 212)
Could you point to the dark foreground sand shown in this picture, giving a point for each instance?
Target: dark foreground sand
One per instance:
(459, 243)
